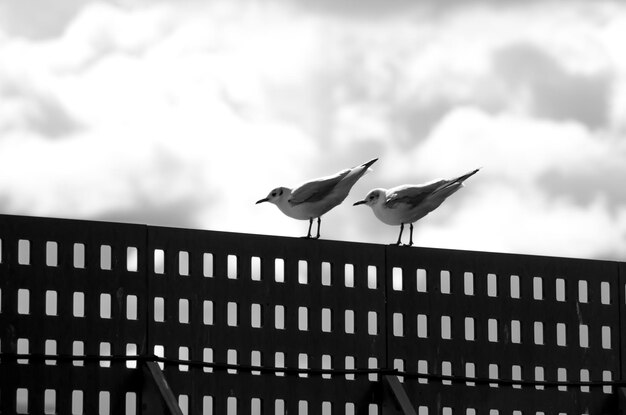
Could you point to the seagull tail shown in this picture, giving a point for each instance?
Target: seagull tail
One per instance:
(458, 182)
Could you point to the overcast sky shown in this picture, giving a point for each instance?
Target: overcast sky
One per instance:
(184, 113)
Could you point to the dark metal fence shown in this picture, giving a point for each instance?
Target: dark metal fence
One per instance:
(251, 324)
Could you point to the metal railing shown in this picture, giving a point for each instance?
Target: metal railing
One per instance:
(252, 324)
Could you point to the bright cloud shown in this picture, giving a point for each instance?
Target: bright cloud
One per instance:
(185, 113)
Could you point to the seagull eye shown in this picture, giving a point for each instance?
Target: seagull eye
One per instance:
(273, 194)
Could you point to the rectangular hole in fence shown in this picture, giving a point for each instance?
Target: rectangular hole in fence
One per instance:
(446, 370)
(22, 349)
(303, 319)
(207, 312)
(562, 377)
(207, 357)
(468, 283)
(470, 372)
(422, 368)
(279, 362)
(105, 306)
(256, 360)
(49, 401)
(303, 408)
(398, 364)
(255, 268)
(538, 331)
(207, 265)
(537, 288)
(77, 402)
(232, 315)
(582, 292)
(396, 276)
(131, 403)
(183, 263)
(279, 270)
(78, 255)
(132, 259)
(279, 317)
(372, 323)
(583, 335)
(539, 377)
(51, 254)
(492, 330)
(159, 351)
(256, 316)
(446, 327)
(605, 293)
(104, 403)
(231, 267)
(349, 365)
(183, 311)
(606, 337)
(327, 408)
(105, 257)
(398, 324)
(303, 272)
(183, 404)
(421, 282)
(231, 406)
(256, 406)
(469, 329)
(444, 277)
(105, 350)
(50, 348)
(159, 309)
(516, 374)
(21, 401)
(23, 301)
(561, 334)
(303, 363)
(584, 377)
(207, 405)
(327, 364)
(78, 308)
(349, 321)
(607, 376)
(493, 374)
(23, 252)
(422, 326)
(327, 320)
(348, 275)
(78, 349)
(183, 354)
(372, 363)
(131, 307)
(560, 290)
(326, 274)
(131, 350)
(516, 331)
(492, 285)
(514, 286)
(159, 261)
(372, 277)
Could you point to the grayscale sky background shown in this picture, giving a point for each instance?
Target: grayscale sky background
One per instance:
(184, 113)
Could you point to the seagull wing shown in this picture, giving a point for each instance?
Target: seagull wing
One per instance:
(316, 190)
(412, 195)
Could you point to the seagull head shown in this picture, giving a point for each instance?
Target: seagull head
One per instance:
(372, 198)
(275, 195)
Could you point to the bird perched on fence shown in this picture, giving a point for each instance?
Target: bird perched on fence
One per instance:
(312, 199)
(409, 203)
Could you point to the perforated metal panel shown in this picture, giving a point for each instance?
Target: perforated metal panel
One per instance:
(228, 315)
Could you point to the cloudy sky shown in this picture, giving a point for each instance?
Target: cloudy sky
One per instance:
(184, 113)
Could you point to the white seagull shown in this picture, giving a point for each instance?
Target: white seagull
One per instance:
(312, 199)
(409, 203)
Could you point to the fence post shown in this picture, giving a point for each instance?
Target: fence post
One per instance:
(157, 397)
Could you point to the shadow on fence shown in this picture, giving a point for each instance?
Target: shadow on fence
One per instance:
(252, 324)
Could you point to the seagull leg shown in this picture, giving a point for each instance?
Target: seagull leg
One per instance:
(400, 236)
(319, 223)
(411, 237)
(308, 235)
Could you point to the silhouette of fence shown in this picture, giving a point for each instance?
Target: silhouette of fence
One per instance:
(252, 324)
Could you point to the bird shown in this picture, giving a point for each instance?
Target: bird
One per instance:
(314, 198)
(409, 203)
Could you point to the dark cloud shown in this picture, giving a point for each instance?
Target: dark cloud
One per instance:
(583, 187)
(555, 92)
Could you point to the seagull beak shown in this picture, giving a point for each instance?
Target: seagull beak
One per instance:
(261, 201)
(360, 202)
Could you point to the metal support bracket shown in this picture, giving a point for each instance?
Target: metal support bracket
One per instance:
(163, 393)
(400, 397)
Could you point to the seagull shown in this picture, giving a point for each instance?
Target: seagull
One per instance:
(409, 203)
(312, 199)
